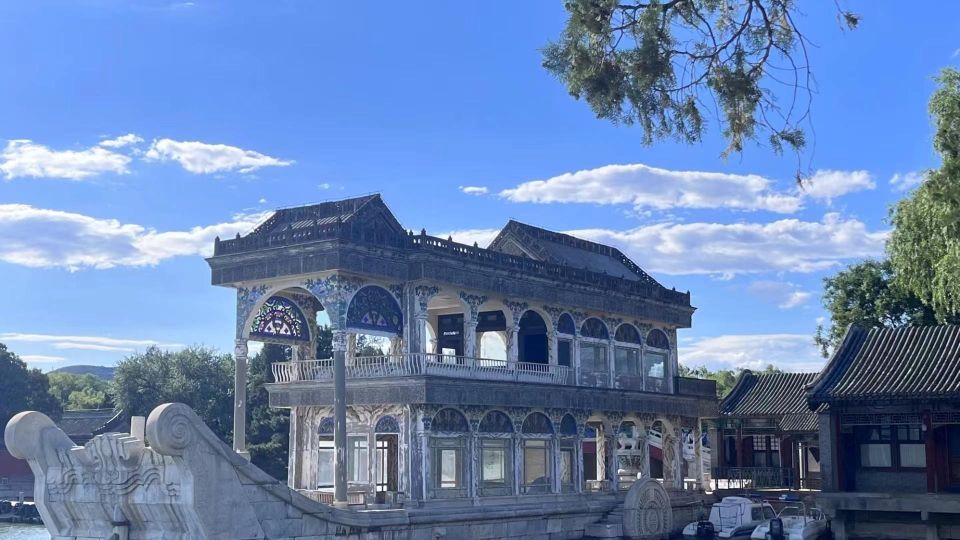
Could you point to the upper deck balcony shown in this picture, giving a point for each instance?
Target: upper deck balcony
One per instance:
(466, 368)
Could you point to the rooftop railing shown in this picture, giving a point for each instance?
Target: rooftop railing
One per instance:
(424, 243)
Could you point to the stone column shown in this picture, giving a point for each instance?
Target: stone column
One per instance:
(578, 463)
(575, 344)
(470, 335)
(554, 347)
(513, 346)
(517, 449)
(294, 457)
(351, 340)
(612, 362)
(698, 454)
(614, 465)
(473, 456)
(240, 398)
(340, 418)
(556, 461)
(601, 453)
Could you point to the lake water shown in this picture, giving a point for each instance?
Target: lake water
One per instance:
(11, 531)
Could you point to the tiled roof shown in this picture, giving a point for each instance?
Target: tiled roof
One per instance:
(772, 394)
(560, 248)
(325, 213)
(85, 423)
(916, 362)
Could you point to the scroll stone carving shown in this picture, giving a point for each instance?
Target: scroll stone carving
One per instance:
(647, 513)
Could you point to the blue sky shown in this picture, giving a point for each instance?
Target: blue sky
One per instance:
(134, 132)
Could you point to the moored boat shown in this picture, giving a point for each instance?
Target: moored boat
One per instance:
(798, 524)
(731, 517)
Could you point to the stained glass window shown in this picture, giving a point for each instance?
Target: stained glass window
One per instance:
(280, 318)
(374, 308)
(568, 426)
(387, 424)
(594, 328)
(627, 333)
(656, 338)
(565, 325)
(496, 422)
(450, 420)
(326, 425)
(538, 424)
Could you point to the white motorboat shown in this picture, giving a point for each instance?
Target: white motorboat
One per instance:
(734, 517)
(798, 524)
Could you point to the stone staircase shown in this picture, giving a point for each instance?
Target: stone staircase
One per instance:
(611, 526)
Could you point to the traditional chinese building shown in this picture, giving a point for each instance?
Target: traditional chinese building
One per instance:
(767, 437)
(528, 371)
(890, 433)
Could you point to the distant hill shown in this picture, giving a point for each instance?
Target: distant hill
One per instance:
(103, 372)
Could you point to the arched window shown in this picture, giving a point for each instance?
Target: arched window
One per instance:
(532, 338)
(447, 448)
(656, 338)
(565, 325)
(627, 356)
(387, 424)
(655, 357)
(594, 365)
(449, 420)
(495, 422)
(325, 452)
(387, 440)
(568, 426)
(627, 333)
(594, 328)
(537, 477)
(374, 308)
(496, 454)
(280, 319)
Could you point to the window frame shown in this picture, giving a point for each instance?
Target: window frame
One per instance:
(893, 443)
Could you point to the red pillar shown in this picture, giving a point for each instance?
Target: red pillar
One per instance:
(931, 453)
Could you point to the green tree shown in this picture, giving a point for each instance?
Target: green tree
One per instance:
(925, 244)
(726, 379)
(867, 294)
(658, 64)
(23, 389)
(84, 391)
(197, 376)
(268, 434)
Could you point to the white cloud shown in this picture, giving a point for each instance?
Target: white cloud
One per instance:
(826, 185)
(787, 245)
(24, 158)
(789, 352)
(325, 185)
(96, 343)
(907, 181)
(129, 139)
(651, 187)
(203, 158)
(474, 190)
(42, 238)
(41, 358)
(482, 237)
(783, 294)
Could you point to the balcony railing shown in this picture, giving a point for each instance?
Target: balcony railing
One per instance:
(754, 477)
(370, 367)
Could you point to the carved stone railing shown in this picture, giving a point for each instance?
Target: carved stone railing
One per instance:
(398, 365)
(178, 482)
